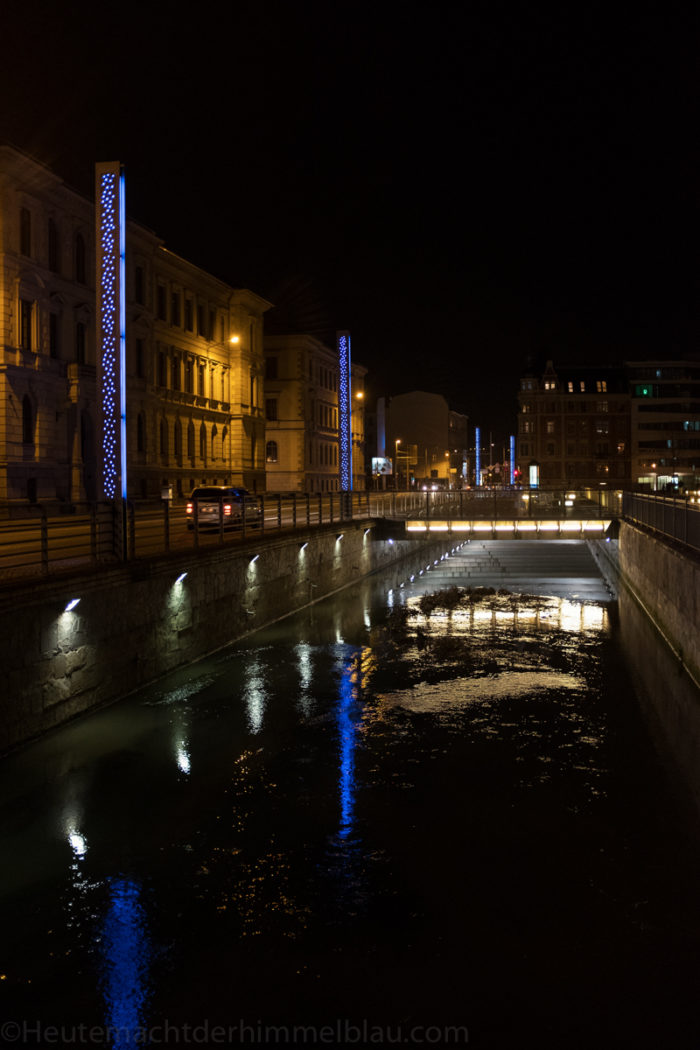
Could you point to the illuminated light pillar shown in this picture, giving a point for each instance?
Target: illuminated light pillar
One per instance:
(345, 409)
(512, 459)
(110, 257)
(477, 438)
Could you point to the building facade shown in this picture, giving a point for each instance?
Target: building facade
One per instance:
(302, 416)
(574, 427)
(665, 424)
(426, 441)
(194, 352)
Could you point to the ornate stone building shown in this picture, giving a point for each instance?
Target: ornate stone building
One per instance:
(301, 410)
(194, 355)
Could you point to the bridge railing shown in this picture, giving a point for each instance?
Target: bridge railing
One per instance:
(39, 540)
(677, 518)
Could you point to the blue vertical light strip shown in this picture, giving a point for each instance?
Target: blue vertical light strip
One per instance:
(477, 438)
(122, 323)
(345, 408)
(107, 249)
(512, 459)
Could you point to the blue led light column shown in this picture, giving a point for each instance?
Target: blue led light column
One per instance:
(345, 408)
(111, 323)
(477, 438)
(110, 289)
(512, 459)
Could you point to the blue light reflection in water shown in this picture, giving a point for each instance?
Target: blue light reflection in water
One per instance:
(347, 696)
(126, 952)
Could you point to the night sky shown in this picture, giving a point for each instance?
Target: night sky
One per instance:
(460, 188)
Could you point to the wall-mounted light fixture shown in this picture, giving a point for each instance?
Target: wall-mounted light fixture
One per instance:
(181, 577)
(304, 545)
(339, 536)
(71, 604)
(254, 558)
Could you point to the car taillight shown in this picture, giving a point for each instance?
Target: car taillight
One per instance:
(190, 508)
(227, 510)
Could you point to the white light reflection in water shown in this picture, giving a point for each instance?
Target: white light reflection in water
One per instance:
(255, 694)
(126, 954)
(78, 843)
(183, 758)
(302, 652)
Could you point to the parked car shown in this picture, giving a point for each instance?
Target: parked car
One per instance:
(207, 504)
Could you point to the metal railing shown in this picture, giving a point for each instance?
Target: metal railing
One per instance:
(677, 518)
(37, 541)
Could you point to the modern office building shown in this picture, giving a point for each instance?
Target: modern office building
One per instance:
(194, 355)
(665, 423)
(302, 416)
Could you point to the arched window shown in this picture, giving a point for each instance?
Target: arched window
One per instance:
(214, 434)
(163, 438)
(271, 452)
(140, 433)
(190, 443)
(203, 443)
(177, 439)
(27, 422)
(80, 265)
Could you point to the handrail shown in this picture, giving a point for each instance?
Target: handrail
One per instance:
(36, 541)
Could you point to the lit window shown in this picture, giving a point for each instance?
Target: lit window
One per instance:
(550, 426)
(583, 387)
(271, 452)
(570, 387)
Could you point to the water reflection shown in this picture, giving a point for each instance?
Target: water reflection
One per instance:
(346, 734)
(255, 693)
(303, 651)
(126, 955)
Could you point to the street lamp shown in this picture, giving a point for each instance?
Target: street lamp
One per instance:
(396, 461)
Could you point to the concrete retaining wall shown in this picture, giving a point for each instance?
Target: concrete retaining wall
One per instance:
(134, 623)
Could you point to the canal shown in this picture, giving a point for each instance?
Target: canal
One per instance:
(416, 813)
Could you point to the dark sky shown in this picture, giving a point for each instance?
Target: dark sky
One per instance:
(460, 188)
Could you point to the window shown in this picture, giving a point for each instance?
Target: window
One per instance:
(163, 438)
(139, 285)
(162, 378)
(25, 324)
(189, 375)
(190, 444)
(214, 435)
(203, 443)
(582, 384)
(54, 259)
(175, 309)
(27, 422)
(25, 231)
(271, 409)
(201, 371)
(271, 452)
(201, 324)
(140, 433)
(160, 302)
(80, 263)
(189, 315)
(53, 335)
(550, 426)
(526, 426)
(80, 336)
(570, 387)
(601, 406)
(177, 440)
(271, 368)
(602, 426)
(601, 386)
(175, 372)
(140, 360)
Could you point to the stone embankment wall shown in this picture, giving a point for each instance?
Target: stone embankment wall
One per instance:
(135, 622)
(664, 578)
(659, 595)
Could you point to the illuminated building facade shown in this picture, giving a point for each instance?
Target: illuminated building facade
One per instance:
(665, 423)
(302, 410)
(574, 424)
(194, 356)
